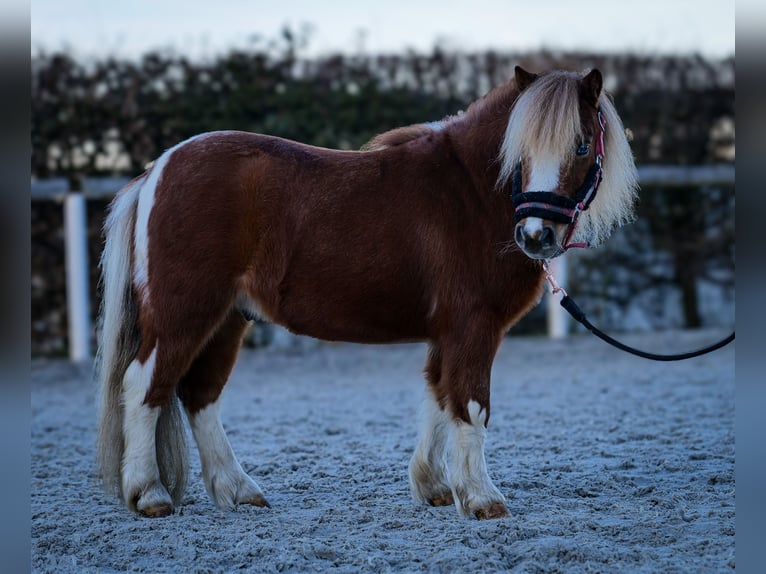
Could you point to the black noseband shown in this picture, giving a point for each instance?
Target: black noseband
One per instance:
(552, 206)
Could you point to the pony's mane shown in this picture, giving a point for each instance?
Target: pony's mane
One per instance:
(399, 136)
(545, 120)
(395, 137)
(617, 194)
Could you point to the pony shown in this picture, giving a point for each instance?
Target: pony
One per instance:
(413, 238)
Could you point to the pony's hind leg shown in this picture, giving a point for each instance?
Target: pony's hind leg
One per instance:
(141, 485)
(155, 464)
(200, 390)
(428, 466)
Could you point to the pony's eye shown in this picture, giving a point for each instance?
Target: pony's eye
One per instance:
(583, 149)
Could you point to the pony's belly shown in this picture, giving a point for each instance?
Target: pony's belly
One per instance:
(358, 333)
(335, 324)
(357, 316)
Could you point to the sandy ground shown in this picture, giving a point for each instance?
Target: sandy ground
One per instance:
(610, 463)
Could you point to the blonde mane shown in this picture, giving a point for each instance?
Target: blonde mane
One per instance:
(545, 120)
(397, 136)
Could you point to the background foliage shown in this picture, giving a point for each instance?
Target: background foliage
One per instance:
(112, 117)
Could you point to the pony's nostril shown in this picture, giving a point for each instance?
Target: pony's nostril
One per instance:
(519, 235)
(547, 237)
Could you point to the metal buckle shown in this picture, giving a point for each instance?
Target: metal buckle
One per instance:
(555, 287)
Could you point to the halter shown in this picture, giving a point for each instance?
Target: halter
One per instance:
(559, 208)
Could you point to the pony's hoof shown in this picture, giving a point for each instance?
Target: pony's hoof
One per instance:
(494, 510)
(152, 501)
(256, 500)
(157, 510)
(443, 500)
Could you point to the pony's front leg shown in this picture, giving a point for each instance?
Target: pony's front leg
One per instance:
(466, 381)
(428, 467)
(472, 489)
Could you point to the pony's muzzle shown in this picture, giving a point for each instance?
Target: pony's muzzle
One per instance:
(538, 239)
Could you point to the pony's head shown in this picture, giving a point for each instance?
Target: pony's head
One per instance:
(566, 155)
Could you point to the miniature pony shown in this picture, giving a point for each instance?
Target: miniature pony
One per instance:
(415, 238)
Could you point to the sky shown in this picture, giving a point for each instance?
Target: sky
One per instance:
(97, 28)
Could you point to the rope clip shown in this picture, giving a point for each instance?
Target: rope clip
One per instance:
(555, 287)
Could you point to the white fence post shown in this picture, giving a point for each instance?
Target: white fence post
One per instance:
(558, 319)
(77, 284)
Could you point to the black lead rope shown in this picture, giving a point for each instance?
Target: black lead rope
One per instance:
(579, 316)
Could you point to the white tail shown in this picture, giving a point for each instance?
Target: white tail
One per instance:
(119, 343)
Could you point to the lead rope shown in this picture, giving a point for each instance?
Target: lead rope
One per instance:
(574, 310)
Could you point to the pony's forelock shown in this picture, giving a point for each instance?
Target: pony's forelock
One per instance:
(545, 120)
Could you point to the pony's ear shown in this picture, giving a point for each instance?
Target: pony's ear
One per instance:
(591, 86)
(523, 78)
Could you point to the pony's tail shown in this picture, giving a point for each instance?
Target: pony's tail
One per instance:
(120, 337)
(119, 344)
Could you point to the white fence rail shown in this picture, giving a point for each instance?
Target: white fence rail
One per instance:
(76, 246)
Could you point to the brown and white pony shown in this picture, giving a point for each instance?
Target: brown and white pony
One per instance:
(414, 238)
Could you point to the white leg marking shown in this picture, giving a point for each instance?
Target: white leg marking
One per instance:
(141, 486)
(428, 466)
(472, 488)
(226, 482)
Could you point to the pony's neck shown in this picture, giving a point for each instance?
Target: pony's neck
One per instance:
(477, 136)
